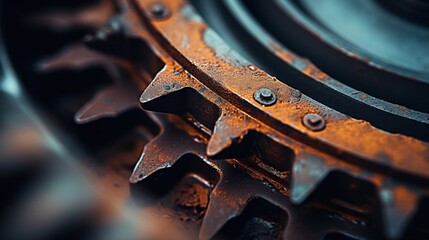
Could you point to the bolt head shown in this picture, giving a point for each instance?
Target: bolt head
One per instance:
(159, 11)
(266, 94)
(314, 122)
(265, 97)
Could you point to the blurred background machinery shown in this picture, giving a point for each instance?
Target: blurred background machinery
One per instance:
(216, 119)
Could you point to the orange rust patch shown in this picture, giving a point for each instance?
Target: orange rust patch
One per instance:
(313, 71)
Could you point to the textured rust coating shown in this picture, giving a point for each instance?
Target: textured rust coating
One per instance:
(222, 136)
(229, 83)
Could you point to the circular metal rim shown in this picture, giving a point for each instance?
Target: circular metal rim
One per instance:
(389, 158)
(337, 43)
(386, 74)
(381, 114)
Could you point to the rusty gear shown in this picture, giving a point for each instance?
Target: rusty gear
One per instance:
(255, 138)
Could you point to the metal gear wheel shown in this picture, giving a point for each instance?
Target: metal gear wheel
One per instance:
(278, 119)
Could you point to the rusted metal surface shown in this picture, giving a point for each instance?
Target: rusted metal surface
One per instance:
(218, 74)
(222, 139)
(232, 86)
(334, 91)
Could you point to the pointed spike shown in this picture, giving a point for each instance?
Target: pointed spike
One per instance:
(399, 204)
(162, 152)
(229, 128)
(75, 57)
(109, 102)
(224, 205)
(153, 158)
(156, 94)
(307, 173)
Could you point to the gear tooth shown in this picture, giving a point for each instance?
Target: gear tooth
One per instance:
(74, 57)
(108, 102)
(307, 173)
(399, 204)
(139, 172)
(224, 205)
(229, 128)
(152, 159)
(160, 88)
(162, 152)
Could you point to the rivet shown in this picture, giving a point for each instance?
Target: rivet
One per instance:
(314, 122)
(265, 96)
(296, 94)
(159, 11)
